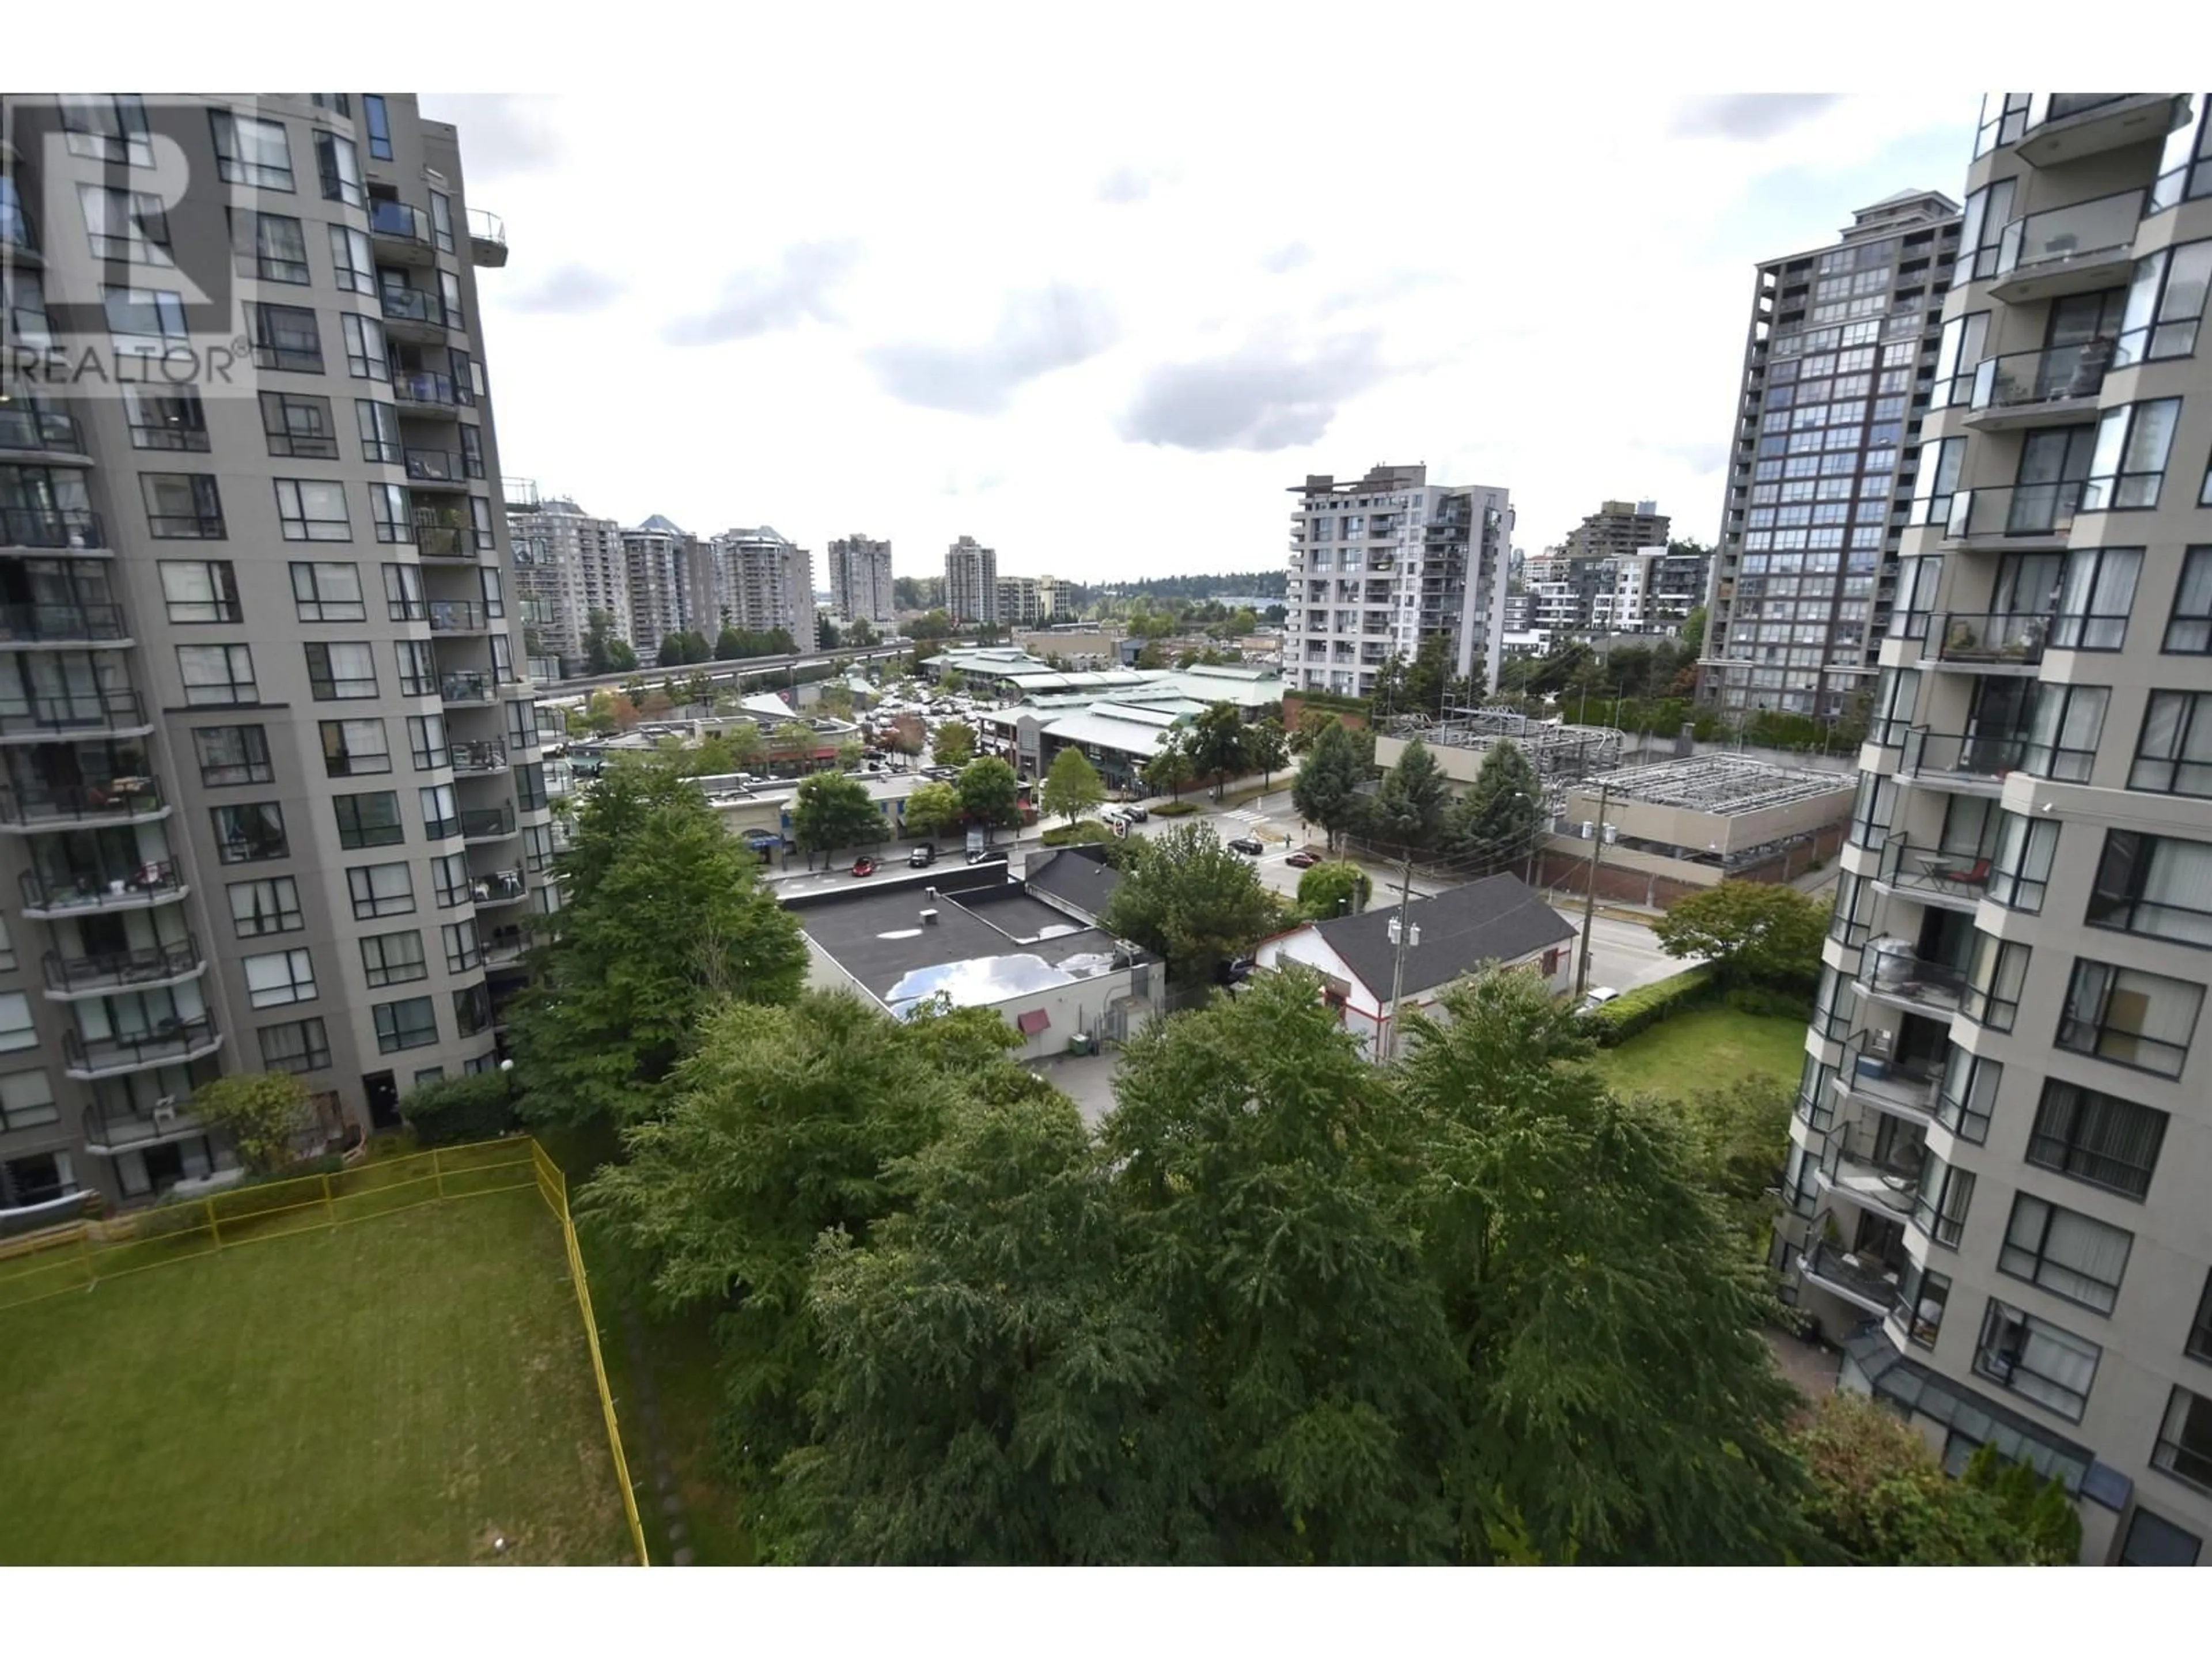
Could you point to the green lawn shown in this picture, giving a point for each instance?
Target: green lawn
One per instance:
(1704, 1049)
(398, 1391)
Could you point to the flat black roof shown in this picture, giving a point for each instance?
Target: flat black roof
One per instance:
(985, 945)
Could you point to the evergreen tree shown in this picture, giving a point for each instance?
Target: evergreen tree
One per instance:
(1409, 807)
(1495, 825)
(1326, 791)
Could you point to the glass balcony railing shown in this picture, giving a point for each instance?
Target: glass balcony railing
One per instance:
(477, 759)
(456, 616)
(2024, 380)
(1896, 1085)
(114, 708)
(112, 1132)
(1895, 972)
(413, 305)
(1873, 1168)
(1993, 639)
(396, 221)
(487, 227)
(1864, 1280)
(439, 390)
(32, 802)
(1969, 756)
(97, 890)
(164, 1043)
(2085, 233)
(109, 971)
(443, 541)
(25, 427)
(487, 823)
(499, 887)
(472, 686)
(1943, 873)
(46, 526)
(435, 466)
(92, 623)
(2028, 512)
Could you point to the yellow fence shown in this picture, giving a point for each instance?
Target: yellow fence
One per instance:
(83, 1254)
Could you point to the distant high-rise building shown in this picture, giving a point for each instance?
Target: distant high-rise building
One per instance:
(762, 582)
(567, 565)
(1380, 564)
(1056, 597)
(659, 560)
(860, 580)
(1841, 344)
(1617, 528)
(971, 582)
(1021, 602)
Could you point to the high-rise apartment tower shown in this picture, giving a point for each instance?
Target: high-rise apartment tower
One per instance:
(971, 582)
(860, 580)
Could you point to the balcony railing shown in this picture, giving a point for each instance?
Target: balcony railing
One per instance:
(1865, 1281)
(54, 527)
(443, 541)
(1929, 871)
(469, 687)
(500, 887)
(109, 1132)
(103, 891)
(1850, 1167)
(442, 391)
(435, 466)
(487, 238)
(1986, 639)
(33, 802)
(170, 1041)
(95, 623)
(2085, 235)
(1971, 757)
(1902, 976)
(503, 945)
(22, 427)
(487, 823)
(2039, 511)
(2024, 380)
(115, 708)
(477, 759)
(398, 222)
(1907, 1086)
(413, 305)
(108, 971)
(456, 616)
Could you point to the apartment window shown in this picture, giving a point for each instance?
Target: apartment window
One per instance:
(1922, 1297)
(366, 359)
(2128, 467)
(463, 953)
(2068, 1253)
(2164, 303)
(2199, 1343)
(2185, 1440)
(449, 878)
(472, 464)
(250, 833)
(370, 820)
(338, 166)
(279, 977)
(403, 594)
(379, 123)
(352, 260)
(268, 247)
(480, 524)
(355, 748)
(271, 905)
(412, 1023)
(1993, 982)
(418, 668)
(298, 425)
(250, 151)
(2189, 626)
(182, 506)
(2094, 595)
(502, 660)
(441, 221)
(426, 738)
(529, 786)
(1968, 1095)
(2037, 1360)
(2129, 1017)
(300, 1045)
(471, 1010)
(2019, 868)
(175, 419)
(16, 1030)
(2153, 1541)
(441, 812)
(1942, 1200)
(378, 424)
(107, 127)
(2063, 729)
(495, 596)
(335, 672)
(285, 337)
(127, 226)
(2155, 885)
(313, 510)
(1873, 812)
(232, 755)
(27, 1100)
(381, 889)
(218, 676)
(201, 590)
(145, 319)
(393, 959)
(2096, 1138)
(327, 592)
(1852, 922)
(2174, 753)
(388, 509)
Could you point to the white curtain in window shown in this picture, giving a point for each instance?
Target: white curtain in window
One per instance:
(2181, 878)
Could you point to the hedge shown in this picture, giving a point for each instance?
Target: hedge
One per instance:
(477, 1106)
(1085, 832)
(1175, 809)
(1646, 1006)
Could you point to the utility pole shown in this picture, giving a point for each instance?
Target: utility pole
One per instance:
(1590, 896)
(1388, 1047)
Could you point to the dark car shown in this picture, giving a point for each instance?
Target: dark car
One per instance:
(1250, 845)
(864, 866)
(922, 856)
(1135, 814)
(1304, 858)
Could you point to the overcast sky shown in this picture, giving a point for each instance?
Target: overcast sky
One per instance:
(1104, 333)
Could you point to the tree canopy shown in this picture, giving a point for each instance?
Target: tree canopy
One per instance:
(1191, 901)
(1169, 767)
(1217, 744)
(1337, 888)
(1409, 808)
(1495, 825)
(990, 794)
(934, 809)
(1757, 933)
(1327, 792)
(263, 1112)
(954, 745)
(1072, 785)
(832, 811)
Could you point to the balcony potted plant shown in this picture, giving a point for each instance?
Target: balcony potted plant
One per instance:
(1961, 639)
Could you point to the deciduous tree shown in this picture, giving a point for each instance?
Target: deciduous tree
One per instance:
(1169, 767)
(990, 794)
(262, 1112)
(1335, 888)
(1757, 933)
(1266, 751)
(1188, 898)
(934, 809)
(954, 745)
(832, 811)
(1072, 785)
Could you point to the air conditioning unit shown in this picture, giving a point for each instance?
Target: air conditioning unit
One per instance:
(929, 918)
(1612, 834)
(164, 1109)
(1586, 829)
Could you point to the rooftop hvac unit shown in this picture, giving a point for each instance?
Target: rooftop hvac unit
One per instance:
(1612, 834)
(929, 917)
(1586, 829)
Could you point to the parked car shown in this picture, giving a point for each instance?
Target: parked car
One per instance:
(864, 866)
(1114, 815)
(1250, 845)
(923, 856)
(1135, 814)
(1599, 996)
(1304, 858)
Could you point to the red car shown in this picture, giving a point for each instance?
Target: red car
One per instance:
(864, 866)
(1304, 858)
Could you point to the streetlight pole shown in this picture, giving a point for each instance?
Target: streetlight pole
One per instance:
(1388, 1046)
(1589, 898)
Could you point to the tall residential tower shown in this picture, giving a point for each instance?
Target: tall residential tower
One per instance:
(971, 582)
(860, 580)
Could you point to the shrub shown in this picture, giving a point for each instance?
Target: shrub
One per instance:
(1175, 809)
(1759, 1000)
(1646, 1006)
(1089, 832)
(454, 1110)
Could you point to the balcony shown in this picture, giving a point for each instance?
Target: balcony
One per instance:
(94, 624)
(2066, 126)
(1891, 974)
(1874, 1166)
(32, 805)
(68, 894)
(472, 686)
(100, 972)
(457, 616)
(26, 433)
(2039, 388)
(107, 1134)
(444, 541)
(477, 759)
(1863, 1283)
(419, 392)
(487, 239)
(505, 946)
(2017, 518)
(487, 823)
(1901, 1088)
(414, 313)
(65, 529)
(2068, 250)
(1968, 763)
(401, 234)
(1951, 880)
(501, 887)
(115, 712)
(436, 469)
(1986, 642)
(170, 1042)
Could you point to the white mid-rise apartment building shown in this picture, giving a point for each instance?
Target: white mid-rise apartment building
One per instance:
(861, 587)
(2003, 1146)
(1379, 564)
